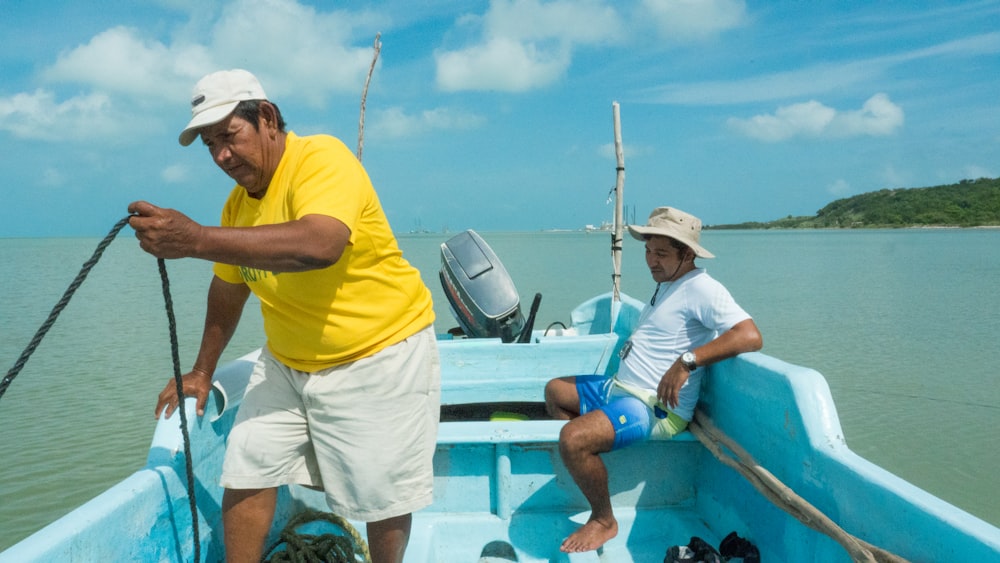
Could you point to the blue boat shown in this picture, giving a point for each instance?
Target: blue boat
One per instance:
(499, 479)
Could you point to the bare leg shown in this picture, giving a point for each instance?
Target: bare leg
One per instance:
(387, 539)
(580, 443)
(562, 401)
(246, 519)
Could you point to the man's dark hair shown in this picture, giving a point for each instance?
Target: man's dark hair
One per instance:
(250, 111)
(680, 246)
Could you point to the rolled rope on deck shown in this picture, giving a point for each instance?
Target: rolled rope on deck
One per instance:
(328, 548)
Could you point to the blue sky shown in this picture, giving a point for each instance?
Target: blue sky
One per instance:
(498, 115)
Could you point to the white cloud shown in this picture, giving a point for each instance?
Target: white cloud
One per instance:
(174, 174)
(809, 118)
(798, 83)
(982, 44)
(501, 64)
(120, 61)
(128, 77)
(877, 117)
(813, 80)
(840, 188)
(526, 44)
(396, 123)
(40, 116)
(294, 49)
(687, 20)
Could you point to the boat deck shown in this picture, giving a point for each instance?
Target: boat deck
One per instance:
(536, 537)
(503, 481)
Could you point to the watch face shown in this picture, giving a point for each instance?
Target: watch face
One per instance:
(688, 358)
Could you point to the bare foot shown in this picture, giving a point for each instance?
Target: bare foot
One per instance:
(590, 536)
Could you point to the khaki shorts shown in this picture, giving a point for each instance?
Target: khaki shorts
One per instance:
(364, 432)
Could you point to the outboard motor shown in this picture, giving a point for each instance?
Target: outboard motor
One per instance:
(482, 296)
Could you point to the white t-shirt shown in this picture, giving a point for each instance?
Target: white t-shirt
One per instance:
(686, 313)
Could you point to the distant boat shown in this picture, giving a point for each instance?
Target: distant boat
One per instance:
(499, 479)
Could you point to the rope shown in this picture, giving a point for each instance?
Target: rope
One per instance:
(321, 548)
(44, 329)
(781, 495)
(178, 382)
(57, 310)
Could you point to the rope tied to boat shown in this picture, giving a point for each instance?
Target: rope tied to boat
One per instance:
(780, 494)
(318, 548)
(168, 303)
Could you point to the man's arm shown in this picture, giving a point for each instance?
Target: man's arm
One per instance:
(743, 337)
(225, 306)
(309, 243)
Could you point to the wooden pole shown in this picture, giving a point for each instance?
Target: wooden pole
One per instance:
(364, 96)
(616, 237)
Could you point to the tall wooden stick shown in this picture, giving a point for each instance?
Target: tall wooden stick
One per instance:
(364, 95)
(616, 237)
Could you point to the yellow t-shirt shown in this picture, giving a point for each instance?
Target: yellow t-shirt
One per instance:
(370, 299)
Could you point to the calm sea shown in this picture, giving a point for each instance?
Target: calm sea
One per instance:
(903, 324)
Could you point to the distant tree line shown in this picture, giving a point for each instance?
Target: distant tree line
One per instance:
(969, 203)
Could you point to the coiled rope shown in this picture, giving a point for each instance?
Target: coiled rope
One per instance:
(57, 310)
(321, 548)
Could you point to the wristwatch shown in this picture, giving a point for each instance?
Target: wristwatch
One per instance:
(689, 360)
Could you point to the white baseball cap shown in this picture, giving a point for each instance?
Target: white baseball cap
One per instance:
(216, 96)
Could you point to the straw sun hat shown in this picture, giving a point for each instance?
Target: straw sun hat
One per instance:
(673, 223)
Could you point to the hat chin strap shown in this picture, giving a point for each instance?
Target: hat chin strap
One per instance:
(673, 276)
(677, 269)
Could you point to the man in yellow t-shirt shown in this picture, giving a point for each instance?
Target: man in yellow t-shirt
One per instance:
(346, 393)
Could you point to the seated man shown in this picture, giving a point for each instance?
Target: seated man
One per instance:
(691, 321)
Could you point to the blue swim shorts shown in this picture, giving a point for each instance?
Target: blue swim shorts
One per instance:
(632, 419)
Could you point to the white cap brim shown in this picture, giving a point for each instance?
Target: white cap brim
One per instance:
(205, 117)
